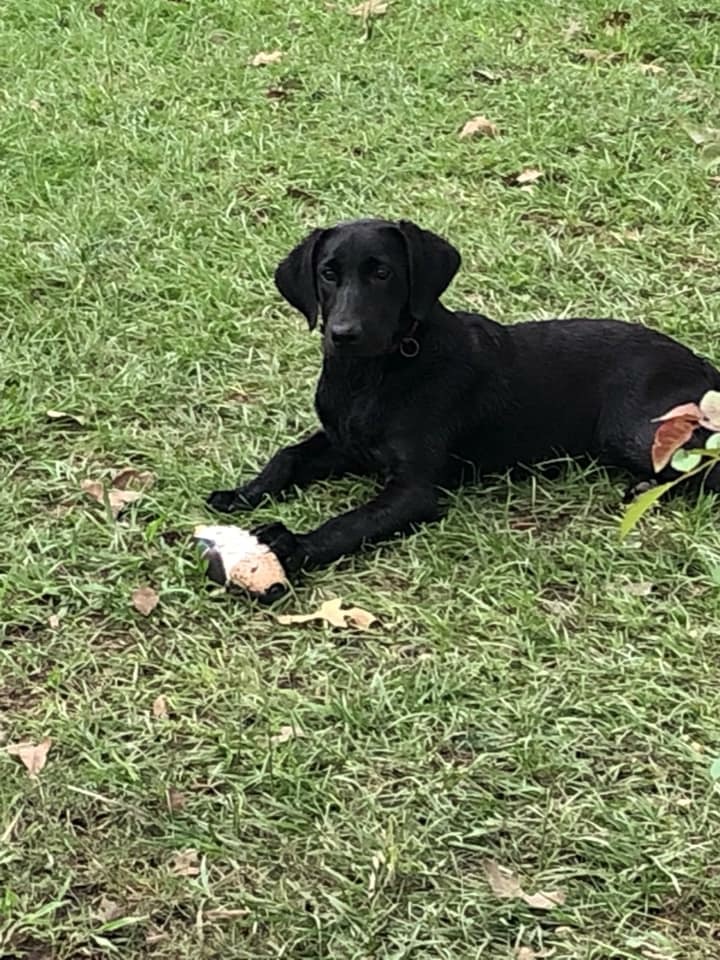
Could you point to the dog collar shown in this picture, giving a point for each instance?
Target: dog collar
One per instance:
(409, 346)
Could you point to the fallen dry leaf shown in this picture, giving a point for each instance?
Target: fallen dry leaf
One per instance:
(265, 57)
(528, 175)
(117, 499)
(505, 884)
(160, 707)
(527, 953)
(130, 477)
(370, 8)
(108, 910)
(35, 105)
(652, 68)
(643, 588)
(60, 417)
(600, 56)
(175, 799)
(574, 29)
(185, 863)
(145, 599)
(33, 756)
(479, 126)
(99, 10)
(331, 611)
(486, 76)
(53, 621)
(714, 181)
(285, 733)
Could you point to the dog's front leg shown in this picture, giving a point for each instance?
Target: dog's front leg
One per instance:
(398, 508)
(295, 466)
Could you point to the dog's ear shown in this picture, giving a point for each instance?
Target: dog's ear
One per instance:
(295, 277)
(433, 262)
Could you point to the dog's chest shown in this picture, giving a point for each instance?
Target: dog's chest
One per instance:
(351, 413)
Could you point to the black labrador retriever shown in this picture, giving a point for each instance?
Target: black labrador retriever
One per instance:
(428, 398)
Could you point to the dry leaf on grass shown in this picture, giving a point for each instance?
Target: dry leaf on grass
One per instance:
(527, 953)
(574, 29)
(108, 910)
(643, 588)
(117, 499)
(175, 799)
(185, 863)
(62, 417)
(486, 76)
(130, 477)
(600, 56)
(53, 621)
(266, 57)
(652, 68)
(331, 612)
(505, 884)
(33, 756)
(145, 599)
(160, 707)
(370, 8)
(714, 181)
(479, 126)
(528, 175)
(285, 733)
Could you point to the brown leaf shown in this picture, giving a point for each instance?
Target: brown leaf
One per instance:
(33, 756)
(286, 733)
(479, 125)
(145, 599)
(61, 417)
(486, 76)
(266, 57)
(505, 884)
(185, 863)
(117, 499)
(331, 611)
(160, 707)
(108, 910)
(652, 68)
(175, 799)
(370, 8)
(574, 29)
(528, 175)
(710, 410)
(527, 953)
(670, 436)
(600, 56)
(544, 900)
(130, 477)
(643, 588)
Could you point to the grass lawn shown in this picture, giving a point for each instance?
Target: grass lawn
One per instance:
(539, 694)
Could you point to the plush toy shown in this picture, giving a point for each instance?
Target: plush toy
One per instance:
(236, 558)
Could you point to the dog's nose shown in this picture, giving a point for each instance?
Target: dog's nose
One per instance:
(343, 334)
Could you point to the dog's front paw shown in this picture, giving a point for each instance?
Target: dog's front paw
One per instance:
(283, 543)
(230, 501)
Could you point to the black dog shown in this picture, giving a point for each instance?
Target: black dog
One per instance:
(427, 398)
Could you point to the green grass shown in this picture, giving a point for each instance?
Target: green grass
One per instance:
(519, 703)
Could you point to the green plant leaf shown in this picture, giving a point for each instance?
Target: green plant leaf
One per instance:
(713, 442)
(715, 769)
(639, 507)
(685, 460)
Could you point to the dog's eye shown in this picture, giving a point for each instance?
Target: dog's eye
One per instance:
(381, 272)
(327, 273)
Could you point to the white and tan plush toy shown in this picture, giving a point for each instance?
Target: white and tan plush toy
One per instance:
(236, 558)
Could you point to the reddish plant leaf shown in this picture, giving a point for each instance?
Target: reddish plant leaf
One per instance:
(669, 437)
(686, 411)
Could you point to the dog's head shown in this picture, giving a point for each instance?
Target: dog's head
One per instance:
(372, 281)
